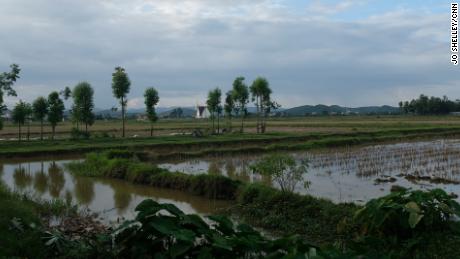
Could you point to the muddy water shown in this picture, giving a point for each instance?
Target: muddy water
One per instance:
(349, 174)
(110, 198)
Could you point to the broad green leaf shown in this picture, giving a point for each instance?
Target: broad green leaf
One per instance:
(414, 219)
(412, 207)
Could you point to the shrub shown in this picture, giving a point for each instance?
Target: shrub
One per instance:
(79, 134)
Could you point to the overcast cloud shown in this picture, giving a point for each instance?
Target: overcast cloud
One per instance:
(332, 52)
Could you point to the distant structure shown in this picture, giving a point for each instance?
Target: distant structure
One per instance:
(202, 112)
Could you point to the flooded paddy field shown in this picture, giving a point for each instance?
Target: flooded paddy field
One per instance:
(349, 174)
(111, 199)
(353, 174)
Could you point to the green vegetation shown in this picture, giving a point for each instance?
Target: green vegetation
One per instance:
(240, 95)
(214, 106)
(83, 105)
(429, 105)
(40, 110)
(151, 99)
(19, 115)
(120, 86)
(283, 170)
(125, 165)
(7, 79)
(404, 223)
(173, 146)
(55, 112)
(21, 228)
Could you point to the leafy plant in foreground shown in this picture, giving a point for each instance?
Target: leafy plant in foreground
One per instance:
(405, 218)
(164, 231)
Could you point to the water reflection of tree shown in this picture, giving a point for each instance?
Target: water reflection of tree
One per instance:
(121, 197)
(215, 168)
(57, 180)
(230, 168)
(22, 178)
(84, 190)
(41, 180)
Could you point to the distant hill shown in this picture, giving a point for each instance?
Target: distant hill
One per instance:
(322, 109)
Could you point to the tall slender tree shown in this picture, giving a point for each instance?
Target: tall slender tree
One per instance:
(241, 98)
(151, 99)
(29, 113)
(229, 107)
(55, 112)
(7, 79)
(19, 116)
(120, 87)
(83, 104)
(214, 106)
(40, 109)
(260, 93)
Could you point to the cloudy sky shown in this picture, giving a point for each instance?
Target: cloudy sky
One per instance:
(350, 52)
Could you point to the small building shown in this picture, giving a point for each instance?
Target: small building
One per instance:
(202, 112)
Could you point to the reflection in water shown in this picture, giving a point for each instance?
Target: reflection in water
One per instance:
(22, 178)
(110, 198)
(84, 190)
(121, 197)
(348, 174)
(57, 180)
(41, 181)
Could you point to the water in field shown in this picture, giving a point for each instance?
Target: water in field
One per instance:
(110, 198)
(350, 174)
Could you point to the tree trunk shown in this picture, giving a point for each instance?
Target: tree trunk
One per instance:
(258, 114)
(218, 124)
(213, 124)
(19, 132)
(86, 127)
(41, 129)
(151, 129)
(28, 130)
(53, 131)
(123, 116)
(242, 122)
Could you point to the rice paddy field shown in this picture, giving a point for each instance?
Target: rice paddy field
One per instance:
(324, 124)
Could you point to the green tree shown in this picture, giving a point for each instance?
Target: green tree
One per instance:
(7, 80)
(261, 95)
(120, 88)
(55, 112)
(40, 109)
(214, 106)
(151, 99)
(19, 116)
(283, 169)
(66, 93)
(82, 109)
(229, 107)
(241, 98)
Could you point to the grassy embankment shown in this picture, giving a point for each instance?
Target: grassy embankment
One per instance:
(21, 224)
(171, 146)
(318, 221)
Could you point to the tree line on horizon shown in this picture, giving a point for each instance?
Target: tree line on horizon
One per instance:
(51, 108)
(424, 105)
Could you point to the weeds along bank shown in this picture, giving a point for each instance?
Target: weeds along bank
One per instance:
(404, 224)
(174, 146)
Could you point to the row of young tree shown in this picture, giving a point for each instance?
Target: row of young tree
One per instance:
(236, 103)
(425, 105)
(52, 108)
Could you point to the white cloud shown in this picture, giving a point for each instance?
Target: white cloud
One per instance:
(185, 48)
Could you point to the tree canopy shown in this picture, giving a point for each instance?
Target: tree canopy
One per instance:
(151, 99)
(83, 104)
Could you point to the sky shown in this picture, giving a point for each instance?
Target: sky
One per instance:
(351, 52)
